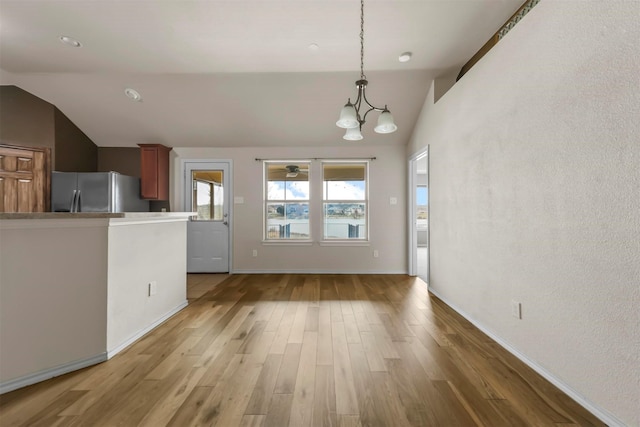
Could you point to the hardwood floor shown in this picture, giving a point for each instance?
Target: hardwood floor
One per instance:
(303, 350)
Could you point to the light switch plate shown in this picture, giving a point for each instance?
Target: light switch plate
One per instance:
(516, 309)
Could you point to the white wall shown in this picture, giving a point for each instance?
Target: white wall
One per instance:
(140, 253)
(387, 177)
(535, 195)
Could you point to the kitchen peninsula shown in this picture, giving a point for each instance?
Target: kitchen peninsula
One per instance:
(77, 288)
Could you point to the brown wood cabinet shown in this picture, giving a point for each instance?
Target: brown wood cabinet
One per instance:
(24, 179)
(154, 171)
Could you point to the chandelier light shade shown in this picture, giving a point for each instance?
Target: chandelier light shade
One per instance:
(351, 117)
(353, 134)
(348, 117)
(385, 122)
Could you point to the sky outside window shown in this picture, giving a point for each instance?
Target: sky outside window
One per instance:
(288, 190)
(422, 194)
(344, 190)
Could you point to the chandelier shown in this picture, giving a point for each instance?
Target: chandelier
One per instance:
(350, 117)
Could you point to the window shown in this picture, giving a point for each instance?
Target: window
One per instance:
(287, 201)
(297, 209)
(207, 195)
(345, 200)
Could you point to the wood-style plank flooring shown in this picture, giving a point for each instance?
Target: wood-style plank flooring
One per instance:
(303, 350)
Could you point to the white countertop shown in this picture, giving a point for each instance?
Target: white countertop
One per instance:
(96, 215)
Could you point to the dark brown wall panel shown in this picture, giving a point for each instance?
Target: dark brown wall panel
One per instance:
(124, 160)
(26, 120)
(29, 121)
(75, 152)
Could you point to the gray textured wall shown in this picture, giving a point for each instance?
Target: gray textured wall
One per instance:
(535, 194)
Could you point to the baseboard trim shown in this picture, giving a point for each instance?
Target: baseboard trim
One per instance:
(604, 415)
(242, 271)
(139, 334)
(46, 374)
(65, 368)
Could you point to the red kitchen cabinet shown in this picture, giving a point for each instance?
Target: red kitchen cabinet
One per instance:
(154, 171)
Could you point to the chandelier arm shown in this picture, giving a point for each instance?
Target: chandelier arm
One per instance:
(364, 118)
(364, 96)
(357, 104)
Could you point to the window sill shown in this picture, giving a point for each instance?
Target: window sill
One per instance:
(287, 243)
(344, 243)
(328, 243)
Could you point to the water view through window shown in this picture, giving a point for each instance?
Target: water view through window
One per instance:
(288, 200)
(345, 200)
(287, 206)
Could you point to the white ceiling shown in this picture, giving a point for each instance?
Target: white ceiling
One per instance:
(236, 73)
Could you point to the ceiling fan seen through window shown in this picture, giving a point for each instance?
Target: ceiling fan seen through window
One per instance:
(294, 170)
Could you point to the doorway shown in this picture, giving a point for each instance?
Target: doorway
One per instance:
(207, 193)
(419, 216)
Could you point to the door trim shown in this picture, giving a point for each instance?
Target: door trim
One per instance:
(412, 238)
(186, 191)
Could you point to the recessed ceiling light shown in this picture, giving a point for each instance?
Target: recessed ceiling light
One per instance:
(70, 41)
(405, 57)
(133, 94)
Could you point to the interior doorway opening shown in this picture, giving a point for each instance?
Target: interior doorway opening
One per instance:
(419, 215)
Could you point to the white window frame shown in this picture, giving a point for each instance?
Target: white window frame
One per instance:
(267, 202)
(316, 204)
(365, 202)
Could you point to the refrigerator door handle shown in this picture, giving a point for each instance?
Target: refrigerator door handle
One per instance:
(77, 208)
(72, 207)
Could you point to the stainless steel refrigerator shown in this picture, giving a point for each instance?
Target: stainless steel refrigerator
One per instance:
(96, 192)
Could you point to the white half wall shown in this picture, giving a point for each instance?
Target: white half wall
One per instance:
(75, 291)
(535, 195)
(141, 253)
(53, 295)
(387, 178)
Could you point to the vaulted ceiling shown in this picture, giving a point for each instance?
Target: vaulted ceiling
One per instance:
(236, 73)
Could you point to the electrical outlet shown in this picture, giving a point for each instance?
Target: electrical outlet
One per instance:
(255, 253)
(516, 309)
(375, 253)
(153, 288)
(393, 200)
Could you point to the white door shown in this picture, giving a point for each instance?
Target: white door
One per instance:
(207, 187)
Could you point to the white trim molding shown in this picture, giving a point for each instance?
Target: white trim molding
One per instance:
(46, 374)
(305, 271)
(139, 334)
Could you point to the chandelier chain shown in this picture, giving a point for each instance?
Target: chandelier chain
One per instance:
(351, 116)
(362, 76)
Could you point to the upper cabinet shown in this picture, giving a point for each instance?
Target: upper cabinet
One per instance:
(154, 171)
